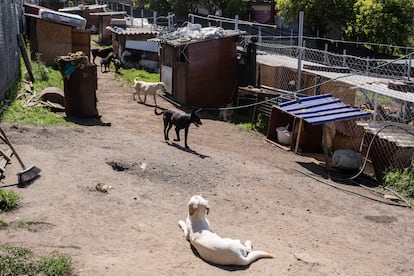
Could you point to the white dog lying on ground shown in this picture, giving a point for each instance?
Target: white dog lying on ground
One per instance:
(211, 247)
(147, 88)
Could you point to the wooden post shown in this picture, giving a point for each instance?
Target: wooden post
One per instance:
(298, 136)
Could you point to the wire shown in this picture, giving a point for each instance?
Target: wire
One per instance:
(351, 192)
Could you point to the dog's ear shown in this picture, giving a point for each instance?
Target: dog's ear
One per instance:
(192, 207)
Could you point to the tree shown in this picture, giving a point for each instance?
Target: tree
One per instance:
(388, 22)
(236, 7)
(319, 15)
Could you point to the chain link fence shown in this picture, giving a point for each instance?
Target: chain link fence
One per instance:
(380, 85)
(383, 87)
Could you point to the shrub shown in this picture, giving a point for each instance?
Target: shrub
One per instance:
(401, 180)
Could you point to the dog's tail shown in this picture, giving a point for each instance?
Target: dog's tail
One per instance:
(158, 107)
(254, 256)
(136, 79)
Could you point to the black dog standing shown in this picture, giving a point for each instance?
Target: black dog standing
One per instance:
(180, 120)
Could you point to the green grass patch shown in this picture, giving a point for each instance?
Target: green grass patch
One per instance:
(9, 200)
(20, 261)
(129, 75)
(13, 110)
(260, 123)
(402, 181)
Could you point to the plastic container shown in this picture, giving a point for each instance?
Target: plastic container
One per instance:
(284, 136)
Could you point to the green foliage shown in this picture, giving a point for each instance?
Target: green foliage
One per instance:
(261, 123)
(401, 180)
(317, 14)
(237, 7)
(388, 22)
(19, 261)
(9, 200)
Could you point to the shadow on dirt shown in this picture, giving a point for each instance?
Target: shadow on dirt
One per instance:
(202, 156)
(224, 267)
(87, 121)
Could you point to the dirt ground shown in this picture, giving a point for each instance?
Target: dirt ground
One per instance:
(256, 191)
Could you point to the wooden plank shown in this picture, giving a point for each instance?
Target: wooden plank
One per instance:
(26, 59)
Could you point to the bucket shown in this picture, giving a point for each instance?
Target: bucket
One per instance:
(284, 136)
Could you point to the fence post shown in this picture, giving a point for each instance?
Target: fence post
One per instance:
(367, 67)
(192, 19)
(154, 14)
(325, 55)
(142, 18)
(409, 67)
(344, 58)
(236, 22)
(260, 35)
(301, 13)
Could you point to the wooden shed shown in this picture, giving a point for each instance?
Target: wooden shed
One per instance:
(51, 39)
(120, 36)
(104, 20)
(201, 73)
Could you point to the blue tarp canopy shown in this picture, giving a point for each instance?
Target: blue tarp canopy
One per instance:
(321, 109)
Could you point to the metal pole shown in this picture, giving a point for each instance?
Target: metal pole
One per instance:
(142, 18)
(300, 39)
(344, 58)
(236, 23)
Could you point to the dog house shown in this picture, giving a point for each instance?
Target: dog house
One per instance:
(53, 34)
(304, 118)
(200, 72)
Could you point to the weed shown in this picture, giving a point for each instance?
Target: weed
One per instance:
(20, 261)
(8, 200)
(56, 265)
(401, 180)
(3, 224)
(261, 124)
(21, 223)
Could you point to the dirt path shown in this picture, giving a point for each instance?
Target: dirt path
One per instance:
(252, 187)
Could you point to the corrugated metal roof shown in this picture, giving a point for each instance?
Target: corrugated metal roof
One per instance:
(109, 13)
(400, 134)
(321, 109)
(132, 31)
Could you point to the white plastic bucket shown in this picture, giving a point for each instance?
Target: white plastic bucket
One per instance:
(284, 136)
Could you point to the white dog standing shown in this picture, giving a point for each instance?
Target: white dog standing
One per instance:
(146, 88)
(211, 247)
